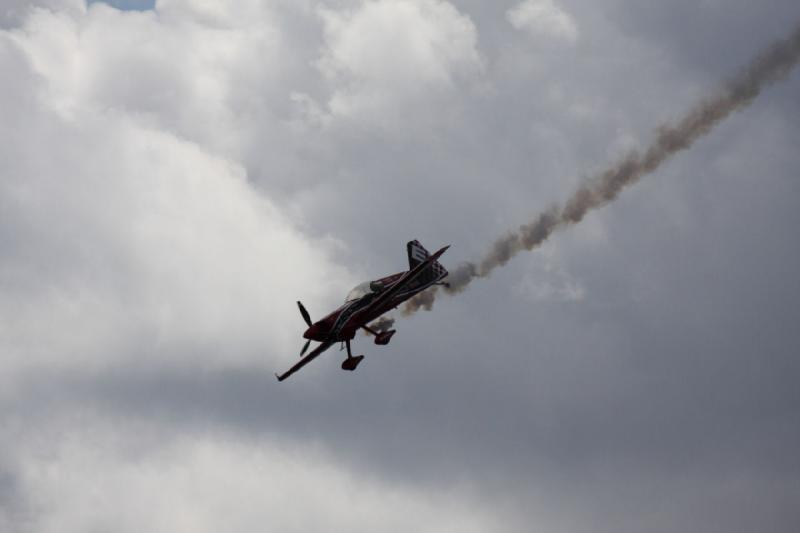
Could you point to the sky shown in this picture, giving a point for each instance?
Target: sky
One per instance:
(177, 173)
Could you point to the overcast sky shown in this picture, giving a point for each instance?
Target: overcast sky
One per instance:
(176, 174)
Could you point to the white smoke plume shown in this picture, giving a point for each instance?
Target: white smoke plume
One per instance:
(772, 65)
(384, 323)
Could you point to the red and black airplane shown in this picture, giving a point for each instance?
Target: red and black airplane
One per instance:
(368, 301)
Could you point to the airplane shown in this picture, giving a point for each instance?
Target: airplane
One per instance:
(366, 302)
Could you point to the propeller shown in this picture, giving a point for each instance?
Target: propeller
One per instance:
(307, 319)
(305, 348)
(305, 314)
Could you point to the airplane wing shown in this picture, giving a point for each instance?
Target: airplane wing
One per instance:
(405, 279)
(305, 360)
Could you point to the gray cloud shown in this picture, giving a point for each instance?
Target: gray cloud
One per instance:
(663, 399)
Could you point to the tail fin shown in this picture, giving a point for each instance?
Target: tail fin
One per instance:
(416, 255)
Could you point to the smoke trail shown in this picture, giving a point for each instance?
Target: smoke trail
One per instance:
(772, 65)
(384, 323)
(423, 300)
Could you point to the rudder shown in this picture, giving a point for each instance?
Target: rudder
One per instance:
(416, 253)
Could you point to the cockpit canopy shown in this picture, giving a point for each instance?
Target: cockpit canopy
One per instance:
(363, 289)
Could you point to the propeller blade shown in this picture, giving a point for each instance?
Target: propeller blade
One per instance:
(303, 312)
(305, 347)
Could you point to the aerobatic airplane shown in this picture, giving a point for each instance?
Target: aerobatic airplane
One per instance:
(368, 301)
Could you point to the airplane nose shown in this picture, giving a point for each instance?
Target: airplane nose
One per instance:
(312, 332)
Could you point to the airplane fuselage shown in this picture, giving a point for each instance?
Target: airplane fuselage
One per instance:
(343, 323)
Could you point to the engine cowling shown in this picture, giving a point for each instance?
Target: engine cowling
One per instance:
(384, 337)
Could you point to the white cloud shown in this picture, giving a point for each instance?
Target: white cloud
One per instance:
(192, 68)
(390, 56)
(544, 18)
(94, 479)
(14, 12)
(123, 241)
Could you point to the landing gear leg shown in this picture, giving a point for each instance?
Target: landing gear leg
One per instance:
(351, 362)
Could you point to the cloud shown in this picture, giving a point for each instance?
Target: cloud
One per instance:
(125, 242)
(13, 13)
(173, 181)
(88, 477)
(544, 18)
(193, 69)
(391, 58)
(548, 281)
